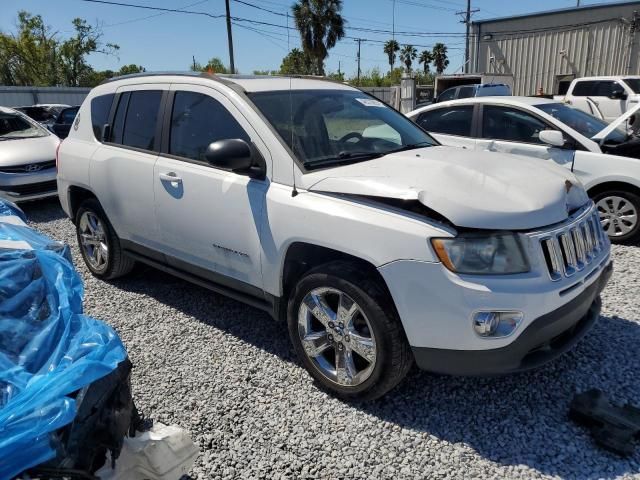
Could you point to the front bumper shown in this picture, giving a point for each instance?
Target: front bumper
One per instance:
(26, 187)
(543, 340)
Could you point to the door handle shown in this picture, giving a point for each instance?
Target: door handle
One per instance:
(170, 177)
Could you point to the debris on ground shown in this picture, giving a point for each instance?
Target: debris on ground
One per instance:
(612, 427)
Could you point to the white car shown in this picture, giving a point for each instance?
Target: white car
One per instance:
(27, 158)
(604, 97)
(325, 207)
(549, 130)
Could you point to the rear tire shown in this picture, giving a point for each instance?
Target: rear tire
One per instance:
(99, 244)
(619, 210)
(346, 332)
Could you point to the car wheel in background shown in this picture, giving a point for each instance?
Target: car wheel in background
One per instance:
(618, 210)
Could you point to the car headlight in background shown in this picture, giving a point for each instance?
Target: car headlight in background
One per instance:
(482, 254)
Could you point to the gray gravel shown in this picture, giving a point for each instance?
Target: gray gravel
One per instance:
(226, 372)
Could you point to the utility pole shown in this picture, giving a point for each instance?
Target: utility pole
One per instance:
(230, 39)
(194, 63)
(578, 3)
(358, 40)
(393, 32)
(467, 20)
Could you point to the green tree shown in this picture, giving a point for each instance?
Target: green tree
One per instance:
(214, 65)
(440, 60)
(408, 54)
(297, 62)
(391, 47)
(425, 58)
(321, 26)
(131, 68)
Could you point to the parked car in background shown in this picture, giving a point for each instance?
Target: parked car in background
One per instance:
(27, 158)
(43, 113)
(63, 122)
(325, 207)
(468, 91)
(604, 97)
(549, 130)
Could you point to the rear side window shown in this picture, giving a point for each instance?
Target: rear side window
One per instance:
(447, 95)
(449, 121)
(584, 89)
(100, 107)
(198, 120)
(141, 119)
(466, 92)
(67, 116)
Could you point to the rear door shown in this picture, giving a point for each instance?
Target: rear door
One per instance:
(208, 218)
(516, 131)
(121, 171)
(450, 125)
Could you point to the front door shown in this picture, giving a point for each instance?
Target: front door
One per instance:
(515, 131)
(209, 218)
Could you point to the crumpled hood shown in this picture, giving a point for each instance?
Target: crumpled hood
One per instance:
(23, 151)
(473, 189)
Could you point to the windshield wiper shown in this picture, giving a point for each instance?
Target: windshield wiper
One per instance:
(343, 158)
(411, 146)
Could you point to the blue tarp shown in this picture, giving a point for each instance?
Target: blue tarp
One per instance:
(48, 348)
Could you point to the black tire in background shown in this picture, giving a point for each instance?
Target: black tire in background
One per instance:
(393, 356)
(116, 263)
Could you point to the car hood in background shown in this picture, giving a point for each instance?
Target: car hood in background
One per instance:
(28, 150)
(485, 190)
(602, 135)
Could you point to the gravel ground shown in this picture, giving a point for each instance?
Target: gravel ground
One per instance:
(226, 372)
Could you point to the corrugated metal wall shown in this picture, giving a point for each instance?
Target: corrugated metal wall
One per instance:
(577, 43)
(23, 96)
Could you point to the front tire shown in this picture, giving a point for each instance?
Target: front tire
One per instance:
(618, 210)
(99, 244)
(346, 332)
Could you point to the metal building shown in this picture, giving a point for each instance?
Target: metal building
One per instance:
(23, 96)
(548, 49)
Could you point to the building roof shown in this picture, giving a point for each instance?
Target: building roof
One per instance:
(558, 11)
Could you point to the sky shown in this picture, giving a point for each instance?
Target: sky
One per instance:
(168, 41)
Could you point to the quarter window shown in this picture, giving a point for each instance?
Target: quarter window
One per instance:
(503, 123)
(198, 120)
(448, 121)
(100, 108)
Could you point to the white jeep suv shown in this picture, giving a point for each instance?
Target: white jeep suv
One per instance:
(321, 205)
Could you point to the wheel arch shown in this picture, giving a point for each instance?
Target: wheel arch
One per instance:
(301, 257)
(77, 195)
(613, 185)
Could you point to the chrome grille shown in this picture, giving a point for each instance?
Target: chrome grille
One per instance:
(571, 248)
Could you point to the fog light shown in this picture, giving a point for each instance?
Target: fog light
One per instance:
(496, 324)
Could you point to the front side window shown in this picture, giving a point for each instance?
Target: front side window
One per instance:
(14, 126)
(100, 108)
(510, 124)
(335, 126)
(198, 120)
(580, 121)
(605, 89)
(449, 121)
(583, 89)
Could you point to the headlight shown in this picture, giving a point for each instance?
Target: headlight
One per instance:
(478, 254)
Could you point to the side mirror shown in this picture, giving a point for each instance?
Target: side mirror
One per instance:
(236, 155)
(618, 94)
(552, 137)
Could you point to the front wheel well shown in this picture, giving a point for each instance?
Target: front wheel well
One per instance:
(612, 186)
(301, 257)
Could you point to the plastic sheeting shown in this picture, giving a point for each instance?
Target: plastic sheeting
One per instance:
(48, 348)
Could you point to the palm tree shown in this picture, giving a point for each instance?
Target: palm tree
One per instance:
(390, 48)
(321, 26)
(425, 59)
(440, 59)
(407, 55)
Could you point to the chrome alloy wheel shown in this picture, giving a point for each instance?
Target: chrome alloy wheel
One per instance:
(337, 336)
(618, 215)
(93, 241)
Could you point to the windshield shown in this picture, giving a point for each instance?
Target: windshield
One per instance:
(580, 121)
(634, 84)
(329, 127)
(14, 126)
